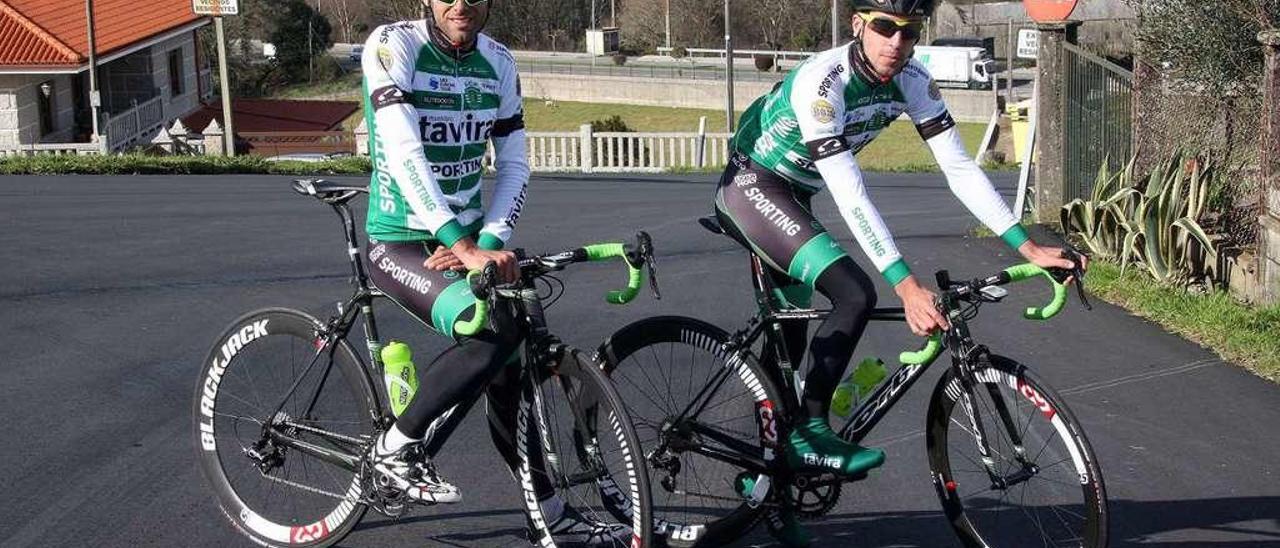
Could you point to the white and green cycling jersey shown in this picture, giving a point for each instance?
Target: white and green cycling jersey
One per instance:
(432, 110)
(808, 129)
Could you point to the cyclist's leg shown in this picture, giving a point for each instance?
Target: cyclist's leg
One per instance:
(432, 296)
(767, 214)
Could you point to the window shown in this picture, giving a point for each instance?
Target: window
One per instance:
(175, 72)
(44, 104)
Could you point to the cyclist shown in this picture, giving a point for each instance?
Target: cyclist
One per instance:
(804, 135)
(437, 91)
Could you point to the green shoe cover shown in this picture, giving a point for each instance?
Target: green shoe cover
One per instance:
(813, 446)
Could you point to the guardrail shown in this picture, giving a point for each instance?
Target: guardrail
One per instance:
(607, 68)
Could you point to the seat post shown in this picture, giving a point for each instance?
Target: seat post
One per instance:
(353, 245)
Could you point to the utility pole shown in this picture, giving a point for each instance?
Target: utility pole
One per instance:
(613, 13)
(668, 23)
(593, 14)
(728, 70)
(835, 23)
(225, 80)
(95, 96)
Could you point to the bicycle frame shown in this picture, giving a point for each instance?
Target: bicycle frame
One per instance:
(767, 324)
(541, 350)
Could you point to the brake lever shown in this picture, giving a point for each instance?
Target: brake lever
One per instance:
(1077, 272)
(645, 250)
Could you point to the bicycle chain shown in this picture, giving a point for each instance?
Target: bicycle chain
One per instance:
(311, 489)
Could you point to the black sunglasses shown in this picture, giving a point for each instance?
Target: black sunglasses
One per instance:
(469, 2)
(885, 27)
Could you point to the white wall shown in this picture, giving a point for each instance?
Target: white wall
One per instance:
(19, 114)
(188, 100)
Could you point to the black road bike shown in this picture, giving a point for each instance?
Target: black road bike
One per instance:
(1009, 461)
(286, 408)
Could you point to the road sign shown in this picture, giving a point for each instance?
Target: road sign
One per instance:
(1049, 11)
(1028, 43)
(216, 7)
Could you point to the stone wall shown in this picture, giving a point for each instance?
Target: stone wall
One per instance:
(19, 112)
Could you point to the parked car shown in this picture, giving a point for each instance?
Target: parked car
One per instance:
(356, 53)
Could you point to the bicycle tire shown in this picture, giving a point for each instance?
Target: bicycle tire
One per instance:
(601, 469)
(1066, 468)
(657, 346)
(252, 349)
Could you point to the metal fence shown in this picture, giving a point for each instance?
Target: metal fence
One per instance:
(1097, 119)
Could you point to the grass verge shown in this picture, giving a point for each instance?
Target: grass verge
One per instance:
(131, 164)
(1249, 336)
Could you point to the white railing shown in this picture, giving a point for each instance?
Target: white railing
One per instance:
(132, 126)
(55, 149)
(555, 151)
(586, 151)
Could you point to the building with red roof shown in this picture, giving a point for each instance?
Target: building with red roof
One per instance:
(149, 67)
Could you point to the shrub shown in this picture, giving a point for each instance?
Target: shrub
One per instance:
(619, 59)
(763, 62)
(679, 52)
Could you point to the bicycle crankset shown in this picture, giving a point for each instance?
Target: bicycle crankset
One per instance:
(814, 496)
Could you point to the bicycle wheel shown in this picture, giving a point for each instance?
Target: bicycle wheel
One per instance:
(590, 453)
(659, 365)
(1047, 489)
(270, 489)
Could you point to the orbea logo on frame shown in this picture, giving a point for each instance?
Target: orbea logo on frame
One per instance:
(1049, 11)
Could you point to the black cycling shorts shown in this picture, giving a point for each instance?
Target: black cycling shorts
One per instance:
(772, 217)
(437, 297)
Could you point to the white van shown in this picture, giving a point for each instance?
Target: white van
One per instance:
(961, 67)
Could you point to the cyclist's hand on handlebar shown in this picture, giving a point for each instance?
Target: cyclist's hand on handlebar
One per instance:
(444, 258)
(1051, 257)
(474, 258)
(920, 305)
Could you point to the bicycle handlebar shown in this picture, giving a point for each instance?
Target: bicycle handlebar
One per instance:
(635, 276)
(1057, 279)
(483, 281)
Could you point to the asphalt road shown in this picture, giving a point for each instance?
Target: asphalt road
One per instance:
(114, 287)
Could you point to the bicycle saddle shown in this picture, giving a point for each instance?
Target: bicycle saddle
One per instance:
(327, 191)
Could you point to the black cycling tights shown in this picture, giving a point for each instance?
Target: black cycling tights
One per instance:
(852, 295)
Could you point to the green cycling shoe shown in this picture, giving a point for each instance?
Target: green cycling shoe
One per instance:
(815, 447)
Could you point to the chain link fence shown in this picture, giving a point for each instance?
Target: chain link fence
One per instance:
(1172, 117)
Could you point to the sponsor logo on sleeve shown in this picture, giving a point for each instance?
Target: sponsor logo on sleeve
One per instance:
(823, 111)
(385, 59)
(745, 179)
(832, 78)
(389, 95)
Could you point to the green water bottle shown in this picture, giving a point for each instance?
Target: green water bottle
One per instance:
(398, 373)
(857, 386)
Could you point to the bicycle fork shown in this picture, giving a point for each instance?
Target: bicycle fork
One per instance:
(969, 378)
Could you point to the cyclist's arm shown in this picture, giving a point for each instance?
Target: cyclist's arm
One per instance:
(967, 181)
(821, 121)
(510, 158)
(389, 67)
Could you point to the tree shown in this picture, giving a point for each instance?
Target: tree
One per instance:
(1207, 44)
(300, 35)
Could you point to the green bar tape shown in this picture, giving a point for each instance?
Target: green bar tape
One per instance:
(600, 252)
(925, 355)
(479, 320)
(1025, 271)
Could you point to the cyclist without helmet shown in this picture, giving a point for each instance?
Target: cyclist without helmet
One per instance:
(803, 136)
(437, 92)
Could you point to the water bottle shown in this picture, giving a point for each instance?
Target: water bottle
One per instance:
(398, 373)
(856, 386)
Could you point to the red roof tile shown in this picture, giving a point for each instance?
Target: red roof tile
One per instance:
(276, 115)
(55, 32)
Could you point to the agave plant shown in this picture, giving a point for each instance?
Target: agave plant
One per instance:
(1165, 219)
(1098, 221)
(1154, 224)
